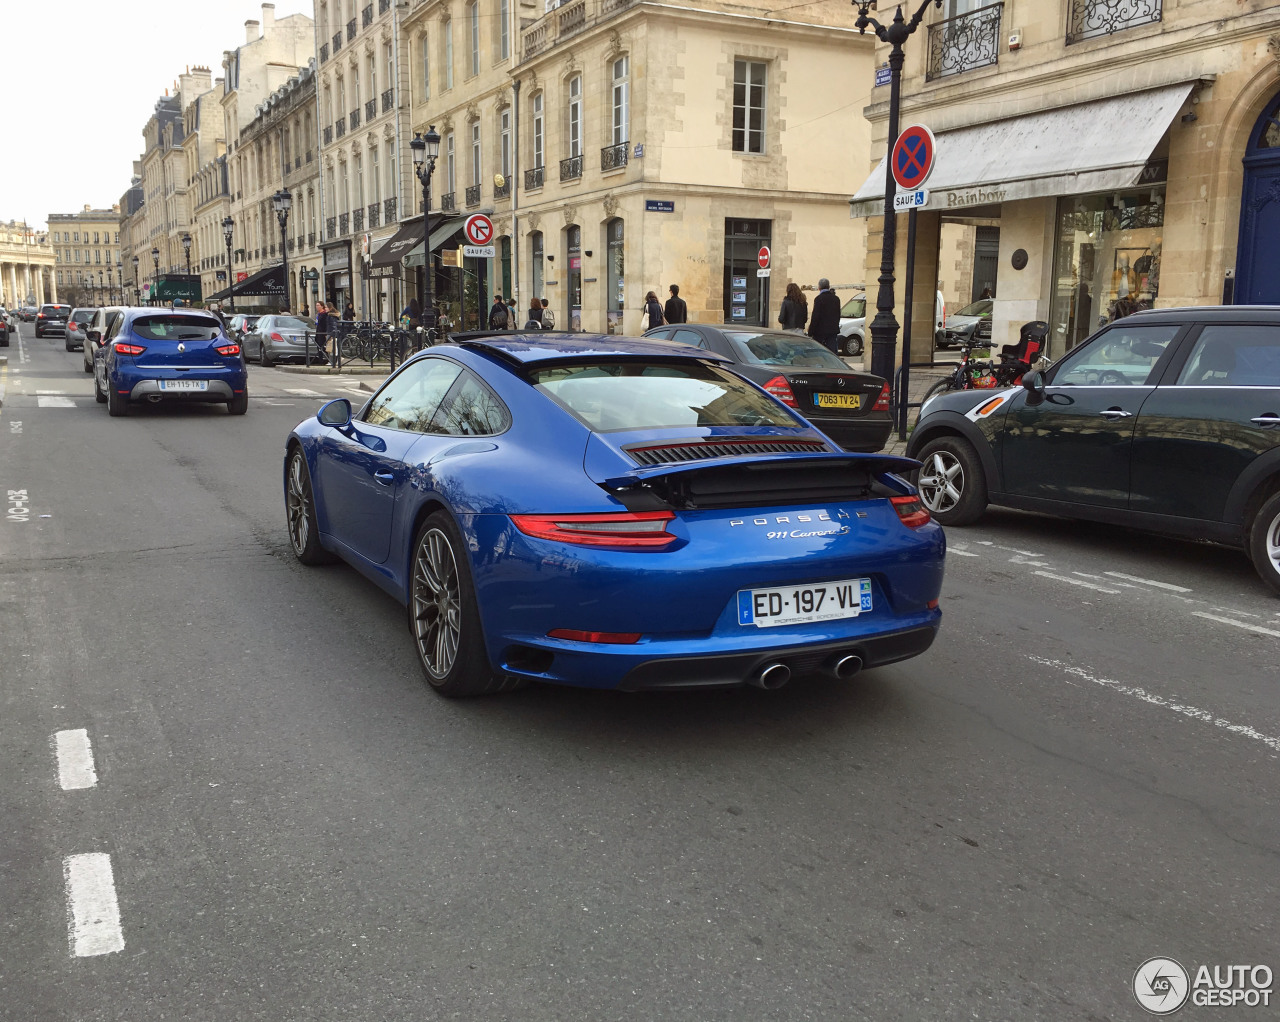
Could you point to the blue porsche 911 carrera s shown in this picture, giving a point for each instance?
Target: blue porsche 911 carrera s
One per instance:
(612, 513)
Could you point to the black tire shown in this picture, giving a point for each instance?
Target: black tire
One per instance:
(239, 404)
(1264, 542)
(300, 512)
(69, 346)
(851, 346)
(88, 367)
(263, 359)
(98, 395)
(444, 619)
(117, 403)
(951, 482)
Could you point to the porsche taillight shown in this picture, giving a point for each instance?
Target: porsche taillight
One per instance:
(913, 513)
(781, 389)
(623, 529)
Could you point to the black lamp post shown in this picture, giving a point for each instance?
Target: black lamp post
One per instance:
(137, 291)
(101, 289)
(282, 202)
(120, 278)
(186, 249)
(425, 150)
(228, 226)
(155, 279)
(884, 328)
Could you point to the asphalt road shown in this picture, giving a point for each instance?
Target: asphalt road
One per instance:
(1079, 776)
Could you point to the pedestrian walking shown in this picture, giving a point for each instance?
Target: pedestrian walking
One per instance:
(548, 317)
(651, 314)
(534, 322)
(675, 311)
(795, 310)
(322, 331)
(349, 313)
(824, 324)
(499, 316)
(411, 315)
(306, 312)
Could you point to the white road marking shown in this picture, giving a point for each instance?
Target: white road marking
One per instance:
(49, 401)
(92, 905)
(1149, 697)
(1239, 624)
(75, 759)
(1029, 562)
(302, 393)
(1149, 582)
(1237, 613)
(962, 553)
(50, 391)
(1075, 582)
(276, 404)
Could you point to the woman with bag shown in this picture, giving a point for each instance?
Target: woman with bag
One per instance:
(795, 310)
(652, 312)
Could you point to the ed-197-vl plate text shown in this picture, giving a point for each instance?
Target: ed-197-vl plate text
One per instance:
(838, 400)
(794, 605)
(184, 384)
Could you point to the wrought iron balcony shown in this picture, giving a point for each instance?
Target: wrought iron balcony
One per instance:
(505, 190)
(384, 6)
(351, 29)
(374, 209)
(1088, 19)
(290, 244)
(344, 224)
(339, 127)
(357, 219)
(328, 134)
(370, 110)
(324, 53)
(533, 178)
(964, 43)
(308, 155)
(473, 195)
(446, 202)
(388, 100)
(366, 17)
(354, 119)
(613, 156)
(337, 42)
(389, 211)
(297, 163)
(311, 239)
(571, 169)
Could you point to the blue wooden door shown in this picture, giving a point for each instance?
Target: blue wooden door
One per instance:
(1258, 256)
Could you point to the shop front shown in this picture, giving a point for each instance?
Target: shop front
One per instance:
(337, 274)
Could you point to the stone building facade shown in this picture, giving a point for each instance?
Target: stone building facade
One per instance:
(86, 246)
(1120, 150)
(27, 266)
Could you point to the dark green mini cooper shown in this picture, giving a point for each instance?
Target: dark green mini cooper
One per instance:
(1167, 420)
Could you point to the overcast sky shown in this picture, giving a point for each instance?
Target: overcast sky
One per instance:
(87, 75)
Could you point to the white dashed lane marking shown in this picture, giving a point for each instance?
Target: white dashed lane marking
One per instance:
(1246, 625)
(92, 906)
(75, 759)
(1149, 582)
(1075, 582)
(302, 392)
(53, 401)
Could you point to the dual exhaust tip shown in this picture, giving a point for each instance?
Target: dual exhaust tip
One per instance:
(841, 666)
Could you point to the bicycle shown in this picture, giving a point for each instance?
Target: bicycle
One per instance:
(1015, 362)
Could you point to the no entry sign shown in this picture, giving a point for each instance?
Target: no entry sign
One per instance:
(912, 157)
(763, 257)
(479, 229)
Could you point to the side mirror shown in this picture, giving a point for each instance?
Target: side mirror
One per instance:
(95, 335)
(1033, 384)
(335, 413)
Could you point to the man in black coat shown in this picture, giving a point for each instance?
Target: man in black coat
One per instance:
(824, 324)
(675, 311)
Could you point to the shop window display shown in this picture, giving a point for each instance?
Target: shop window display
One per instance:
(1107, 262)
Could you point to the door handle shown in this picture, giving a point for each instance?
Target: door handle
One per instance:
(385, 478)
(1269, 419)
(1115, 413)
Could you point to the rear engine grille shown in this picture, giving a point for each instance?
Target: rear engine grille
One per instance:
(700, 450)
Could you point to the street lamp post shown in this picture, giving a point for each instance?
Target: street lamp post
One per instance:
(101, 289)
(884, 328)
(425, 150)
(228, 225)
(120, 278)
(282, 202)
(155, 279)
(186, 251)
(137, 291)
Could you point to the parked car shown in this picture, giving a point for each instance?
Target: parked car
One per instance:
(28, 313)
(97, 330)
(853, 325)
(851, 407)
(972, 323)
(612, 513)
(6, 325)
(240, 324)
(279, 339)
(169, 355)
(52, 319)
(76, 325)
(1167, 420)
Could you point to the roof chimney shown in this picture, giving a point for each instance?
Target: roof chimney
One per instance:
(268, 17)
(251, 33)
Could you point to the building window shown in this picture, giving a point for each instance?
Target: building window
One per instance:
(375, 175)
(373, 77)
(537, 130)
(575, 116)
(504, 28)
(426, 68)
(504, 142)
(615, 294)
(391, 170)
(389, 62)
(473, 18)
(535, 262)
(573, 263)
(359, 161)
(621, 99)
(448, 53)
(450, 163)
(748, 106)
(475, 152)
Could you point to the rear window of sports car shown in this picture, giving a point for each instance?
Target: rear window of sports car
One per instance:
(654, 395)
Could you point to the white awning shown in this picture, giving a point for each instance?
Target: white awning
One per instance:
(1073, 150)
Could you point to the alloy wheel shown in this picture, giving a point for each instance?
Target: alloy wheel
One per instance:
(941, 481)
(437, 603)
(299, 504)
(1272, 544)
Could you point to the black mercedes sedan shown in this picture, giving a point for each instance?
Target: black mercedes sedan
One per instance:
(1166, 420)
(850, 406)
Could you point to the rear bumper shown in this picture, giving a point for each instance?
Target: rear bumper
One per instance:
(866, 435)
(218, 390)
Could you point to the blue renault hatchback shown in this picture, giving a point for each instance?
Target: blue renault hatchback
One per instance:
(160, 355)
(613, 513)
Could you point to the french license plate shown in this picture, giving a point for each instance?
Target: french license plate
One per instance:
(838, 400)
(184, 384)
(793, 605)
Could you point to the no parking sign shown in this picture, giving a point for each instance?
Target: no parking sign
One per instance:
(912, 157)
